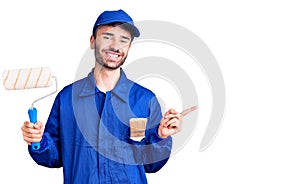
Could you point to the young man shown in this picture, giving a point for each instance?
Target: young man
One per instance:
(88, 131)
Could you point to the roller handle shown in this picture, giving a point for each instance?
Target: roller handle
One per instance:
(32, 112)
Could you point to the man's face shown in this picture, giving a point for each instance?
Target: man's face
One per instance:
(111, 46)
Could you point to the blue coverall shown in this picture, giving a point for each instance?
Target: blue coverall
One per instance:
(88, 134)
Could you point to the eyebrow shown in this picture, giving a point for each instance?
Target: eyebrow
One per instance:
(111, 34)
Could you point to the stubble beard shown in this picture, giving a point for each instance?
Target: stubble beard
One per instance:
(101, 61)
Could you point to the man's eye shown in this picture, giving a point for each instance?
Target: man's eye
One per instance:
(105, 37)
(124, 41)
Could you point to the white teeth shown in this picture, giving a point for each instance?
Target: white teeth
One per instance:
(112, 55)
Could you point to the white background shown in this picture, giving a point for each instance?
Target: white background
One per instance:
(256, 44)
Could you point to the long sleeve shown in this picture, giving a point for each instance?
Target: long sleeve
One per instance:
(157, 150)
(157, 154)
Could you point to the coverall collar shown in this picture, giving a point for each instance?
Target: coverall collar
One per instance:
(121, 89)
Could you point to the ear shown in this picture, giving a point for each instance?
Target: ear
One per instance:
(92, 41)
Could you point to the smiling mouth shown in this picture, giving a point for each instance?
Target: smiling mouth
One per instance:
(112, 56)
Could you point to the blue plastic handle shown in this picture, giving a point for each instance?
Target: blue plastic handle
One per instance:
(32, 112)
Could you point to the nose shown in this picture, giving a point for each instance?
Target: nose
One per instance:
(113, 49)
(115, 46)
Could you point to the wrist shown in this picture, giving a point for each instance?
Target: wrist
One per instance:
(160, 133)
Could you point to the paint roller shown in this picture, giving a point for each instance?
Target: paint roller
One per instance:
(27, 79)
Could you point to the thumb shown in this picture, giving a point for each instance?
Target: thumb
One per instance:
(38, 125)
(163, 122)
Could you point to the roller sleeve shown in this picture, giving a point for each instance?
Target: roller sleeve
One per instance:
(27, 78)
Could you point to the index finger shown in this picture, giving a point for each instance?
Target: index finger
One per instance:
(28, 124)
(188, 110)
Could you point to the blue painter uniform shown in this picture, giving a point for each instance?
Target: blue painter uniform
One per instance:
(88, 134)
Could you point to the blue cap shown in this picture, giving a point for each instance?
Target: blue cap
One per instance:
(108, 17)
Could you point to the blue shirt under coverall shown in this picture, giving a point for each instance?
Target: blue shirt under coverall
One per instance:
(88, 134)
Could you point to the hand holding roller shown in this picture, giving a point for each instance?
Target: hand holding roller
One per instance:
(27, 79)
